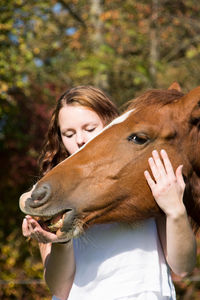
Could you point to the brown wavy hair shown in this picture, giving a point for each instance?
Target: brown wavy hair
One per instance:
(53, 151)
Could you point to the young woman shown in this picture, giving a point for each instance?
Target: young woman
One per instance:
(113, 261)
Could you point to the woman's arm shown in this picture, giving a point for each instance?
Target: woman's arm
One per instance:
(58, 259)
(59, 269)
(177, 238)
(178, 243)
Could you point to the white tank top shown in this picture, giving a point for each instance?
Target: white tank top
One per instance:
(115, 261)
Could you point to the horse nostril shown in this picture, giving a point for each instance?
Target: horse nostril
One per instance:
(40, 195)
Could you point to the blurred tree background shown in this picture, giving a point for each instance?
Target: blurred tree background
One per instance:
(123, 47)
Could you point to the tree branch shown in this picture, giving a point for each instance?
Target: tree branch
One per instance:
(73, 13)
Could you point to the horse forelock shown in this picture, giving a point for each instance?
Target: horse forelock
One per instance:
(155, 97)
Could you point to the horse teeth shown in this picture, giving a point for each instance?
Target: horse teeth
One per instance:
(56, 225)
(53, 223)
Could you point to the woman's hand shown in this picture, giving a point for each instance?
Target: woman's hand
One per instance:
(31, 228)
(167, 187)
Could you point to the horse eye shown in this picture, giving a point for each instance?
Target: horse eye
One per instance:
(137, 139)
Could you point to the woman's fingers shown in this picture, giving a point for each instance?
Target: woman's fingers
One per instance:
(168, 166)
(156, 166)
(168, 187)
(154, 169)
(34, 224)
(161, 168)
(159, 164)
(33, 229)
(149, 179)
(25, 228)
(179, 176)
(170, 171)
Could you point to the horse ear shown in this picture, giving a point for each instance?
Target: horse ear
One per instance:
(192, 101)
(175, 86)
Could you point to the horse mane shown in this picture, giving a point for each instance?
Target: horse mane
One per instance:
(155, 97)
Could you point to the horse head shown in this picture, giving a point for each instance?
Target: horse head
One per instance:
(104, 181)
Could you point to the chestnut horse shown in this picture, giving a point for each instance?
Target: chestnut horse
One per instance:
(104, 181)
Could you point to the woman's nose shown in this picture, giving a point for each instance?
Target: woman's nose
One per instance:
(80, 139)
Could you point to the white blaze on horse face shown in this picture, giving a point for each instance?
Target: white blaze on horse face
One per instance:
(118, 120)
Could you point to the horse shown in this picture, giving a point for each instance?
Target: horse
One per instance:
(104, 180)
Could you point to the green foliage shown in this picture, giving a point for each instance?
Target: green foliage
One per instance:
(48, 46)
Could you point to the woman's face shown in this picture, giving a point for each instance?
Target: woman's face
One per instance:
(78, 124)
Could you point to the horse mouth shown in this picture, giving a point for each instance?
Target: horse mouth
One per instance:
(51, 223)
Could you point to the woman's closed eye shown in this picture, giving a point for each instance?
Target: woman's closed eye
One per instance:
(68, 134)
(90, 129)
